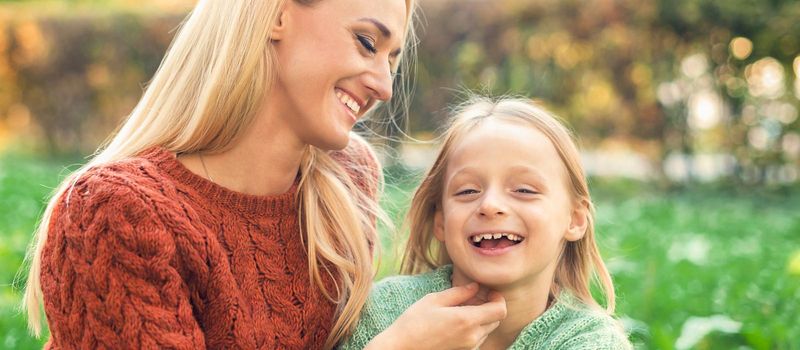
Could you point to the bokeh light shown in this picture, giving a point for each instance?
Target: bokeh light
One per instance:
(758, 138)
(765, 78)
(791, 145)
(741, 47)
(705, 110)
(797, 77)
(695, 65)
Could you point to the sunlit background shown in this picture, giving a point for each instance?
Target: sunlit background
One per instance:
(686, 110)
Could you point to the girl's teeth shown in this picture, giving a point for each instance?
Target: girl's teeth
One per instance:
(510, 236)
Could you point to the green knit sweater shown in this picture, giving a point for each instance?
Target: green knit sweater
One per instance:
(568, 324)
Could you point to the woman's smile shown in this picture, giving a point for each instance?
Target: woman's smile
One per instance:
(350, 102)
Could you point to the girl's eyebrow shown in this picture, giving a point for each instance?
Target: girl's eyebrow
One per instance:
(465, 170)
(385, 32)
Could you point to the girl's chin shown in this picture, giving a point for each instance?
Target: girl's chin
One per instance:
(495, 281)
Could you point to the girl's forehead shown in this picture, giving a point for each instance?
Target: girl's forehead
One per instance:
(497, 144)
(492, 134)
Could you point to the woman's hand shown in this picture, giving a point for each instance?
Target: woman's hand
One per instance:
(439, 321)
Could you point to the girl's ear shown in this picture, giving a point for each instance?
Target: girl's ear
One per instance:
(438, 225)
(579, 221)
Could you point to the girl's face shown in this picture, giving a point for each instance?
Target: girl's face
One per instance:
(506, 208)
(335, 61)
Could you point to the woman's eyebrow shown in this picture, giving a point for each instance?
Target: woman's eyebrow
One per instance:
(381, 27)
(385, 32)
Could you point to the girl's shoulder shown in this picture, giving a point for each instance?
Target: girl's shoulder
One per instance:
(595, 329)
(413, 287)
(571, 324)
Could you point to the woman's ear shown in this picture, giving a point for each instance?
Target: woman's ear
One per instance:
(279, 29)
(438, 225)
(579, 221)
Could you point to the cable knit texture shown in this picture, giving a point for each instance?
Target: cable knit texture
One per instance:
(568, 324)
(145, 254)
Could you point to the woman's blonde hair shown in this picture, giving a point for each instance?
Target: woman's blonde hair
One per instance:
(580, 261)
(205, 93)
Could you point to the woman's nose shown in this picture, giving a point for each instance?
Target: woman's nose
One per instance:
(379, 81)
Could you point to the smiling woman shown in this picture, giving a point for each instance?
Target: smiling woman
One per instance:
(234, 207)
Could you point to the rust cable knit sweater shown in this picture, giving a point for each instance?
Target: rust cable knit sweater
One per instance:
(145, 254)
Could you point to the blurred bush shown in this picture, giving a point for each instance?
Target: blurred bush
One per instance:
(691, 84)
(69, 80)
(667, 78)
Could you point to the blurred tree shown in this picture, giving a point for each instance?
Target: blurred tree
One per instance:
(674, 80)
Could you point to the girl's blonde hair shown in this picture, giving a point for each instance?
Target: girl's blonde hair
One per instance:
(580, 261)
(202, 97)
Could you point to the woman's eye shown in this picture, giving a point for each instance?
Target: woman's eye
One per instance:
(526, 191)
(367, 43)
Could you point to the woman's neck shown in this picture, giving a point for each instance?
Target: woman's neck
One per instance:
(264, 161)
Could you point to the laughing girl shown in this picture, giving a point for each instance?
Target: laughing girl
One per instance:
(506, 205)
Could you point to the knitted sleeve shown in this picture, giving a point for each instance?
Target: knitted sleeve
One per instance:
(108, 272)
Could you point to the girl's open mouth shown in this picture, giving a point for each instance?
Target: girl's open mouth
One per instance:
(498, 240)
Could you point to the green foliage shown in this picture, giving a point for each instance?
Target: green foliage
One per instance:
(24, 185)
(696, 254)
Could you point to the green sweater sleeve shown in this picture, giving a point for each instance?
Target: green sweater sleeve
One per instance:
(388, 300)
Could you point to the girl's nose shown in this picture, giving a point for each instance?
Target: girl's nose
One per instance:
(492, 205)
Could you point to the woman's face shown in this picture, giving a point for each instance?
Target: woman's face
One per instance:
(335, 61)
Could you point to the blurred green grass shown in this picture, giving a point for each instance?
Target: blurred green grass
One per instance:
(697, 252)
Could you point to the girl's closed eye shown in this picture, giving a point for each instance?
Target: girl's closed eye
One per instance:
(465, 192)
(525, 190)
(367, 42)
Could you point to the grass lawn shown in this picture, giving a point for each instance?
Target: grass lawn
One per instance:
(700, 269)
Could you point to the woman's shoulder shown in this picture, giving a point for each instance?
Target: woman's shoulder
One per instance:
(131, 184)
(357, 151)
(361, 163)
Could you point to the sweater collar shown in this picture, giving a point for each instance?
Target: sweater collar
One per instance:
(281, 204)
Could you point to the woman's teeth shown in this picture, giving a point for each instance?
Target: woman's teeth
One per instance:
(510, 236)
(348, 101)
